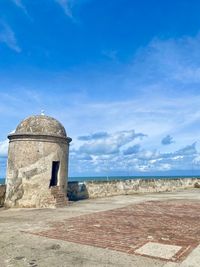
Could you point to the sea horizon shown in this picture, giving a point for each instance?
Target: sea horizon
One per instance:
(121, 177)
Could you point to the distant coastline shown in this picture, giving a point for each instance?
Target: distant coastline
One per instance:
(110, 178)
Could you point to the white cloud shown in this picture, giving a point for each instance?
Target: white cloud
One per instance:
(66, 5)
(3, 148)
(110, 143)
(188, 150)
(7, 36)
(111, 155)
(19, 4)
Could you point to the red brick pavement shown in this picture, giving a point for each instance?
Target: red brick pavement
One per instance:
(125, 229)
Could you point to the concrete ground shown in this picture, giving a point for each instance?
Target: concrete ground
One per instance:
(140, 230)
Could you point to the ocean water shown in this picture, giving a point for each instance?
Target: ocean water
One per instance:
(2, 181)
(110, 178)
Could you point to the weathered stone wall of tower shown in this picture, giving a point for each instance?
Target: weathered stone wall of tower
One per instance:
(2, 194)
(29, 171)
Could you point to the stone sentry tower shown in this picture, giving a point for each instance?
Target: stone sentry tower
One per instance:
(37, 164)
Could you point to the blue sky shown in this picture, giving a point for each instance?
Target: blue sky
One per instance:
(122, 76)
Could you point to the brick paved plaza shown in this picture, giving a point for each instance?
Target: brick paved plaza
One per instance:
(129, 228)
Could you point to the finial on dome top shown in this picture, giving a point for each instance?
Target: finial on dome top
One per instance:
(42, 112)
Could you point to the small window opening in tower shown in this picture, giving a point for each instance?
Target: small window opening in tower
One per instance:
(54, 173)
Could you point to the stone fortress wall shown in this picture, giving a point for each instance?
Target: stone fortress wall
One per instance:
(98, 189)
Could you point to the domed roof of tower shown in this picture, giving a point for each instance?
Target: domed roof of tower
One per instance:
(41, 124)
